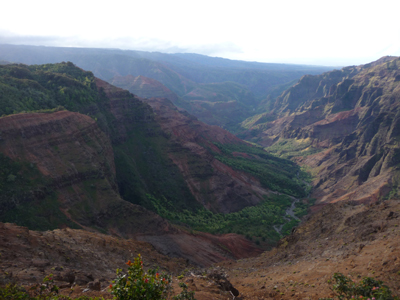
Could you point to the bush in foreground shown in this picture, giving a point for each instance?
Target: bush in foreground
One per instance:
(150, 285)
(367, 289)
(134, 285)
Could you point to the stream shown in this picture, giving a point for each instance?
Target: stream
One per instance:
(289, 212)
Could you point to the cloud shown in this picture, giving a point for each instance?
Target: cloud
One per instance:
(217, 49)
(125, 43)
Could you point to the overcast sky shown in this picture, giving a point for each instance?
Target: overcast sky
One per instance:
(321, 32)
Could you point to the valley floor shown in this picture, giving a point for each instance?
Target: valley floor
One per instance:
(356, 240)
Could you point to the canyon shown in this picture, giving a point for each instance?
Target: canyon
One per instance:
(91, 170)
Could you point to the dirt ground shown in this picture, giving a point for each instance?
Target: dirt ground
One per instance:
(356, 240)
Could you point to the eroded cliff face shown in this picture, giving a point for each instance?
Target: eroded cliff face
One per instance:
(215, 185)
(102, 168)
(223, 104)
(76, 160)
(351, 116)
(187, 143)
(144, 87)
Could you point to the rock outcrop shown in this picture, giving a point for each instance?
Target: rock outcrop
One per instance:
(76, 160)
(351, 117)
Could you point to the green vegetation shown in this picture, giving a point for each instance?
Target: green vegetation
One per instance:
(367, 288)
(222, 92)
(142, 162)
(253, 222)
(17, 178)
(42, 87)
(289, 148)
(256, 119)
(26, 198)
(303, 206)
(139, 284)
(47, 290)
(143, 166)
(53, 87)
(274, 173)
(135, 284)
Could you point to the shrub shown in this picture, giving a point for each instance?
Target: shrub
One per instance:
(138, 284)
(13, 292)
(185, 294)
(47, 290)
(367, 288)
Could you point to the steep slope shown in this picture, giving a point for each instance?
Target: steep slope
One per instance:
(352, 117)
(76, 174)
(230, 190)
(223, 104)
(119, 151)
(76, 180)
(356, 240)
(144, 87)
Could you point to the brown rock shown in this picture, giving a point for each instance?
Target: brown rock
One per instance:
(94, 285)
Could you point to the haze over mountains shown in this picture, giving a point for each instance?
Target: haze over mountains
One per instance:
(130, 144)
(205, 86)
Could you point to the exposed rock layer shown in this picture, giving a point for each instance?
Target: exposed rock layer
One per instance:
(351, 115)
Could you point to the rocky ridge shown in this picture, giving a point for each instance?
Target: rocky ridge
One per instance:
(350, 117)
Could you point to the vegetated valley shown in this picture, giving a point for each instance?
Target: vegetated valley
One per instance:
(307, 173)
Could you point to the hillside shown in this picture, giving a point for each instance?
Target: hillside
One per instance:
(342, 126)
(78, 152)
(339, 238)
(222, 104)
(224, 92)
(356, 240)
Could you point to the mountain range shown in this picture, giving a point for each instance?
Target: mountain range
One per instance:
(219, 91)
(131, 151)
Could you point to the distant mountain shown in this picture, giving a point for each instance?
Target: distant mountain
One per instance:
(342, 125)
(223, 104)
(144, 87)
(211, 80)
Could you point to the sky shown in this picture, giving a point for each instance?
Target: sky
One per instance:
(323, 32)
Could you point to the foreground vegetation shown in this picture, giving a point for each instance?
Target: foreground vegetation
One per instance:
(136, 283)
(367, 289)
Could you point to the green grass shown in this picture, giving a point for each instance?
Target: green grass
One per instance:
(26, 198)
(143, 166)
(289, 148)
(274, 173)
(254, 222)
